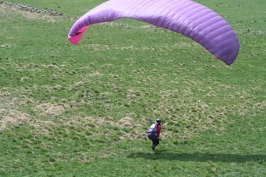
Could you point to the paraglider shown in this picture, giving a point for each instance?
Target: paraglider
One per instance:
(186, 17)
(153, 133)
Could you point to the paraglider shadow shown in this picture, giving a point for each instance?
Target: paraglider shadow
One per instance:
(199, 157)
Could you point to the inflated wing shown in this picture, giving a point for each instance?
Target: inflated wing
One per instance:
(186, 17)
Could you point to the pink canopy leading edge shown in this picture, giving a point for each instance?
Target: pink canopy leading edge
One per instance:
(186, 17)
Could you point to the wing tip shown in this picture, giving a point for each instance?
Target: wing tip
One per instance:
(74, 39)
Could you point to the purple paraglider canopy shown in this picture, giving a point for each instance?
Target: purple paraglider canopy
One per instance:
(186, 17)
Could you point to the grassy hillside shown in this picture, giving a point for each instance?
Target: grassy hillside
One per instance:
(84, 110)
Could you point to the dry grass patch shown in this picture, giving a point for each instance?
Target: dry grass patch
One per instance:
(4, 94)
(50, 110)
(165, 47)
(14, 10)
(6, 9)
(91, 127)
(12, 118)
(42, 127)
(10, 114)
(116, 24)
(126, 122)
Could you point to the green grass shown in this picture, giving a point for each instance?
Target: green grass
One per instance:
(84, 110)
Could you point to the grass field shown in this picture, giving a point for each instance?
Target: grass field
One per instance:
(84, 110)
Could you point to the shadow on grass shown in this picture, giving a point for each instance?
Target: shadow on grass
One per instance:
(200, 157)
